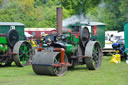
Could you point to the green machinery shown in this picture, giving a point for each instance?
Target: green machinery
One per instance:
(62, 50)
(19, 27)
(11, 49)
(96, 30)
(126, 36)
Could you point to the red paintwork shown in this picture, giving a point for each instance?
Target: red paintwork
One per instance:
(94, 30)
(69, 30)
(39, 49)
(64, 64)
(62, 51)
(76, 36)
(38, 33)
(40, 45)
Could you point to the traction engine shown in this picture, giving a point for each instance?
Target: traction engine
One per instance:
(62, 50)
(11, 49)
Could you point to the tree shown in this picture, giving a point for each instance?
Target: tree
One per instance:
(123, 10)
(109, 13)
(42, 13)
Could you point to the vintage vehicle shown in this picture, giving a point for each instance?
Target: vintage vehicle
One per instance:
(13, 49)
(62, 50)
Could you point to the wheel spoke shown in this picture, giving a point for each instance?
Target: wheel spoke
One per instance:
(27, 51)
(25, 47)
(95, 54)
(27, 57)
(21, 48)
(20, 57)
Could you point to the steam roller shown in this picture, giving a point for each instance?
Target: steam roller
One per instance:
(66, 49)
(13, 49)
(59, 52)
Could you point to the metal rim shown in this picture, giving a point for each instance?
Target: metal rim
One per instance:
(23, 52)
(59, 71)
(12, 37)
(84, 36)
(93, 55)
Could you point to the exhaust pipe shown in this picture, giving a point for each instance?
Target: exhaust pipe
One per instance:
(59, 20)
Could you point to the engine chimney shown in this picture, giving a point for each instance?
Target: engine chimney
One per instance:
(59, 20)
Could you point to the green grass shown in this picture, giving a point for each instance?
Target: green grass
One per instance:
(108, 74)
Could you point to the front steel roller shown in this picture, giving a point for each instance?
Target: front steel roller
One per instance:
(23, 52)
(93, 55)
(44, 63)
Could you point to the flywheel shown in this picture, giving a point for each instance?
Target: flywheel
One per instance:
(12, 37)
(84, 36)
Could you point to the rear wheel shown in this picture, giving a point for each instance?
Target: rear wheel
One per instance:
(93, 55)
(23, 52)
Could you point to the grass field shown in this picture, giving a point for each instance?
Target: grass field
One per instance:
(108, 74)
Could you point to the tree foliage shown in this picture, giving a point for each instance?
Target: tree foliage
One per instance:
(112, 12)
(42, 13)
(1, 1)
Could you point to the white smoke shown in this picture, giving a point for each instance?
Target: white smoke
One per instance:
(89, 18)
(101, 9)
(74, 19)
